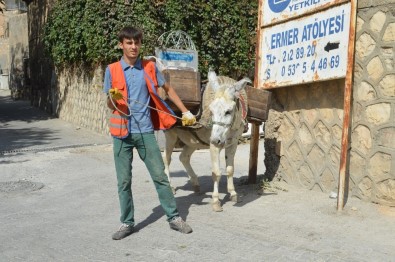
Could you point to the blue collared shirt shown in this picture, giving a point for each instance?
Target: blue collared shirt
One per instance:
(138, 95)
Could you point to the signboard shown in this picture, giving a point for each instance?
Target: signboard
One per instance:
(312, 48)
(275, 11)
(178, 58)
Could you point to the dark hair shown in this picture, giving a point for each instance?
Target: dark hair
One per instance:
(129, 32)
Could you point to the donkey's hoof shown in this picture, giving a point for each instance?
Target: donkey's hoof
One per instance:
(217, 207)
(173, 190)
(196, 189)
(234, 198)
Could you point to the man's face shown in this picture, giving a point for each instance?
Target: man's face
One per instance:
(130, 47)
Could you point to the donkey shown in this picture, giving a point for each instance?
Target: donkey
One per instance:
(222, 123)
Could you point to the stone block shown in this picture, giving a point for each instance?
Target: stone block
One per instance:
(306, 176)
(361, 139)
(366, 92)
(316, 157)
(386, 137)
(387, 85)
(357, 166)
(386, 192)
(365, 45)
(377, 22)
(389, 34)
(378, 114)
(375, 68)
(380, 166)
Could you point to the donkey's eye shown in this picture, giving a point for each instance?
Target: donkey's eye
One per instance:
(227, 112)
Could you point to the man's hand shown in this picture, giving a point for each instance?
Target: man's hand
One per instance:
(188, 119)
(115, 94)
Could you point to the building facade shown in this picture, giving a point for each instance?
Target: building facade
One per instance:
(14, 51)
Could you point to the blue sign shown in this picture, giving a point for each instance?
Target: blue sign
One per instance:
(275, 11)
(278, 6)
(177, 58)
(174, 56)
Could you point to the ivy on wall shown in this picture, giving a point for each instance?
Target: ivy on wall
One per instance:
(224, 31)
(64, 33)
(104, 19)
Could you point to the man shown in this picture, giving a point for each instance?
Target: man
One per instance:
(132, 87)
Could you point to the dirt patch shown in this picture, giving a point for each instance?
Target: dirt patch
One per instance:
(387, 211)
(19, 186)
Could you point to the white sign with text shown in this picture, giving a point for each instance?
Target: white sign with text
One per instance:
(309, 49)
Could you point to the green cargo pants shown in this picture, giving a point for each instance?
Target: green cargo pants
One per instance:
(148, 150)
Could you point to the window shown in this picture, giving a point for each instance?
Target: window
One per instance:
(15, 5)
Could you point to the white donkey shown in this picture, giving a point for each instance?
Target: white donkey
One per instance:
(223, 122)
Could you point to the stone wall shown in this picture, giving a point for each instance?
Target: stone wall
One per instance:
(303, 132)
(372, 165)
(73, 94)
(303, 135)
(42, 72)
(79, 99)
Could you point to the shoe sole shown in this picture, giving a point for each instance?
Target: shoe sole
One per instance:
(123, 236)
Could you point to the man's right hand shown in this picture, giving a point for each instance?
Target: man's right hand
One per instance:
(115, 94)
(110, 103)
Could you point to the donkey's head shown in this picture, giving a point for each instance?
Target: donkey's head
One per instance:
(223, 107)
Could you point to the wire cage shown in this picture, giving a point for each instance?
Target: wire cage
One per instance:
(176, 40)
(176, 50)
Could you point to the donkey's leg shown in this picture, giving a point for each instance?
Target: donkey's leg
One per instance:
(229, 158)
(171, 139)
(216, 175)
(185, 158)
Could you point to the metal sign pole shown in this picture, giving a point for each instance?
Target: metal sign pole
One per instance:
(347, 108)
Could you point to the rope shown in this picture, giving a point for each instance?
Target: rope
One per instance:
(209, 125)
(136, 101)
(120, 111)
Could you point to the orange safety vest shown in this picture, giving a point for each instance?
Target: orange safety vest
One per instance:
(119, 122)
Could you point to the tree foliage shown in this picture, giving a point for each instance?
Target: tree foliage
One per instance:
(224, 31)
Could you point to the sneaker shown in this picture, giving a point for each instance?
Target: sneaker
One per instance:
(180, 225)
(123, 231)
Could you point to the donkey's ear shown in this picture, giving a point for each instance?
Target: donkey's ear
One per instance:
(238, 86)
(242, 83)
(212, 78)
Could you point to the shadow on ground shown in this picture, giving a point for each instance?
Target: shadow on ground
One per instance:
(246, 193)
(12, 113)
(24, 138)
(20, 110)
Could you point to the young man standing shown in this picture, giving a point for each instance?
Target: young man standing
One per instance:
(132, 125)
